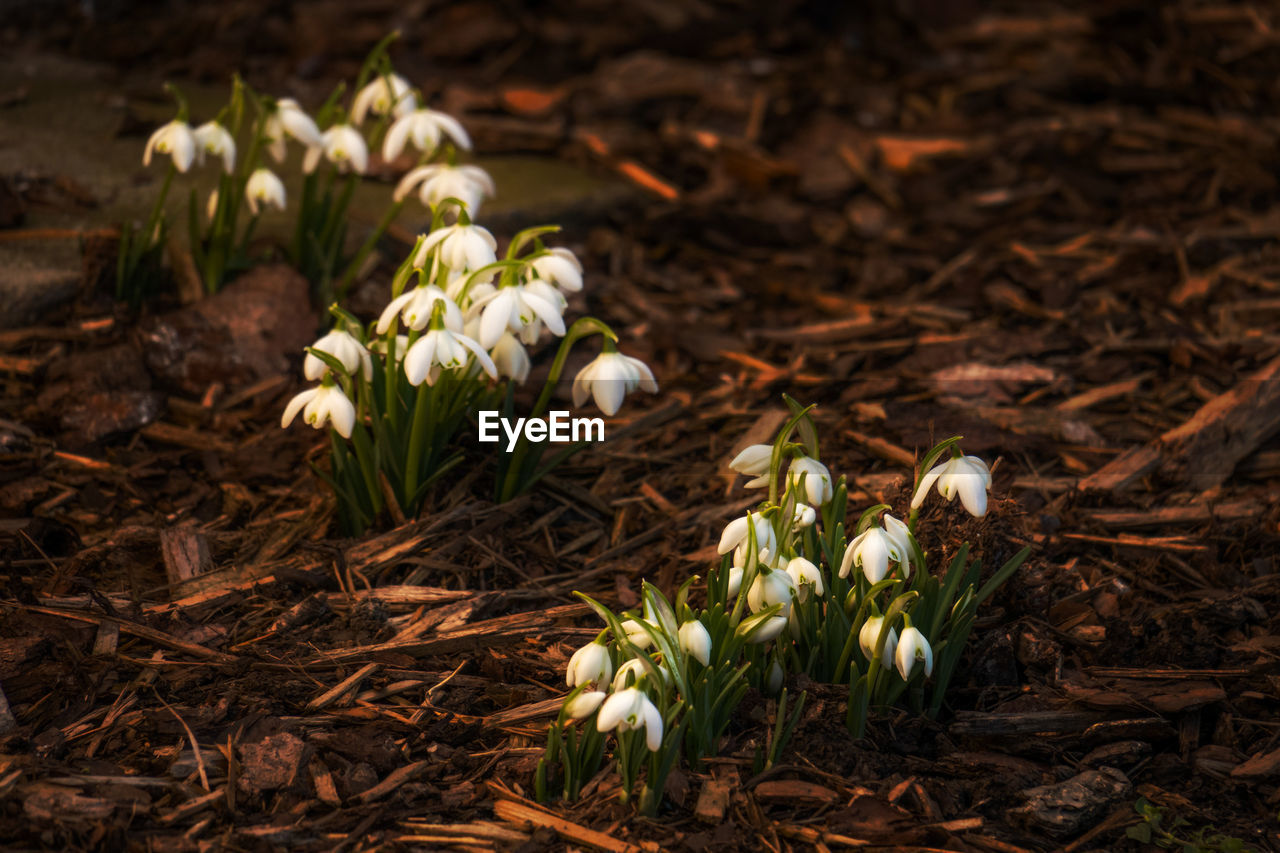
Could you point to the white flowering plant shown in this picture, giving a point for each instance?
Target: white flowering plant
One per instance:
(140, 257)
(395, 393)
(863, 610)
(791, 595)
(665, 680)
(384, 112)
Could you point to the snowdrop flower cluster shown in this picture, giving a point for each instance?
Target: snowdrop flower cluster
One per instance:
(461, 324)
(335, 147)
(792, 594)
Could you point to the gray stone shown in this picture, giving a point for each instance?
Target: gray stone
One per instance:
(1069, 808)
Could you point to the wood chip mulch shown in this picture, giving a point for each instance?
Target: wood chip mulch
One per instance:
(1051, 229)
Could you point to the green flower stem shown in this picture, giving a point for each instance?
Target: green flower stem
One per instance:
(419, 431)
(393, 370)
(519, 465)
(366, 455)
(158, 209)
(581, 328)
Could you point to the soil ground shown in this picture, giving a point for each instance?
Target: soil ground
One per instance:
(1051, 229)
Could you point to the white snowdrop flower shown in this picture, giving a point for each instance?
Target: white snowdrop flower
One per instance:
(873, 550)
(415, 307)
(288, 117)
(609, 378)
(424, 128)
(385, 93)
(754, 462)
(769, 588)
(636, 634)
(735, 581)
(631, 709)
(345, 348)
(560, 267)
(769, 629)
(736, 537)
(868, 636)
(211, 207)
(510, 309)
(469, 184)
(177, 140)
(817, 479)
(696, 641)
(264, 189)
(632, 667)
(441, 349)
(804, 516)
(343, 146)
(803, 571)
(913, 647)
(967, 476)
(588, 664)
(584, 704)
(213, 138)
(462, 247)
(511, 358)
(321, 405)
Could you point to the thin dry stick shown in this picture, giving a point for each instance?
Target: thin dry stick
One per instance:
(191, 736)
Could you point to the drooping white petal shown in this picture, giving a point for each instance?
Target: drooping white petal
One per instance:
(341, 412)
(397, 136)
(420, 357)
(926, 483)
(652, 721)
(293, 120)
(296, 405)
(495, 319)
(623, 707)
(584, 704)
(481, 356)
